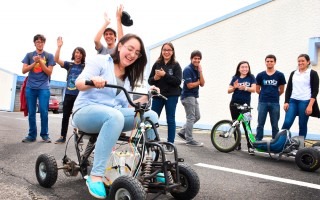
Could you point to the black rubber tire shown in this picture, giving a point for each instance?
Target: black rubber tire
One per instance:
(55, 112)
(308, 159)
(225, 144)
(190, 183)
(46, 170)
(317, 144)
(127, 187)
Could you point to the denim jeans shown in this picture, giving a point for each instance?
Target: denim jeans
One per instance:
(274, 113)
(170, 106)
(191, 106)
(43, 95)
(67, 110)
(109, 123)
(297, 108)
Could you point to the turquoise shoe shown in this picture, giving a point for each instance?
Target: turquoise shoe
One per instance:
(96, 189)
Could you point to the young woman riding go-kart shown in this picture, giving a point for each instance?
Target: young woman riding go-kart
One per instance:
(137, 165)
(226, 136)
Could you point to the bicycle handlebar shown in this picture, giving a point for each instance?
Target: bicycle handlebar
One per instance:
(242, 106)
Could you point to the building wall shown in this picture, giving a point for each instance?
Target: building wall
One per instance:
(279, 27)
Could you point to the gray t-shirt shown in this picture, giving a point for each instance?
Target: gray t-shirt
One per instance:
(104, 50)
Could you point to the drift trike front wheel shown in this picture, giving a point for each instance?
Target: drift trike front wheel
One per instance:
(46, 170)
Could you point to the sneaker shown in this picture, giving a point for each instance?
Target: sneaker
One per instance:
(251, 151)
(28, 140)
(238, 148)
(46, 140)
(96, 189)
(194, 143)
(61, 140)
(168, 149)
(182, 136)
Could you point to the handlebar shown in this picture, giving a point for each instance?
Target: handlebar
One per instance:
(243, 107)
(135, 105)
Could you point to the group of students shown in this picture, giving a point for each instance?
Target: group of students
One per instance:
(300, 95)
(97, 109)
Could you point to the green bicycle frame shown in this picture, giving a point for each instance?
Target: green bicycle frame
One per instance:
(246, 124)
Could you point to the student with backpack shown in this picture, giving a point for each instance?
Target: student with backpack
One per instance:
(74, 69)
(39, 65)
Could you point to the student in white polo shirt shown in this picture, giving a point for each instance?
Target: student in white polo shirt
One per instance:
(301, 96)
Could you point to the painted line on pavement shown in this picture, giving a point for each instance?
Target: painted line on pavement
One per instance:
(257, 175)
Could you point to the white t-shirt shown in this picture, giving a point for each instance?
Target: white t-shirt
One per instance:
(301, 88)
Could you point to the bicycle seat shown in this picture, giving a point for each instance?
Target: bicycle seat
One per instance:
(275, 145)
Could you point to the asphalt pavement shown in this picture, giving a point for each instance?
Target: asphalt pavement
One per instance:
(235, 175)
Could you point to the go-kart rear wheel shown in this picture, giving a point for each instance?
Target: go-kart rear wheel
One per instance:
(46, 170)
(190, 183)
(308, 159)
(126, 187)
(317, 144)
(219, 137)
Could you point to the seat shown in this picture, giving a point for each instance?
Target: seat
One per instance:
(275, 145)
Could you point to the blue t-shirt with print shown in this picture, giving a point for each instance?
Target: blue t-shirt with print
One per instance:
(74, 70)
(242, 96)
(37, 79)
(269, 91)
(189, 75)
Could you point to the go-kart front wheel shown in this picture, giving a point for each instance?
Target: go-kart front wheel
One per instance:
(308, 159)
(190, 183)
(46, 170)
(126, 187)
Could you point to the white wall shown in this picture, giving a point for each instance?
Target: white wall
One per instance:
(7, 90)
(280, 27)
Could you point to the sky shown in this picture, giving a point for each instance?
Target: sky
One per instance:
(78, 21)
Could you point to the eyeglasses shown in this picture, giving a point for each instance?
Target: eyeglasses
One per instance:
(131, 49)
(168, 50)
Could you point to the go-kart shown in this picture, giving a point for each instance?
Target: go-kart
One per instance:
(137, 165)
(226, 136)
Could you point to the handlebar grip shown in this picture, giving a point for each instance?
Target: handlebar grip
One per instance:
(89, 82)
(155, 92)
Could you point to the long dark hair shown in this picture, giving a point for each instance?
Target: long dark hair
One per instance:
(82, 51)
(238, 67)
(173, 57)
(134, 72)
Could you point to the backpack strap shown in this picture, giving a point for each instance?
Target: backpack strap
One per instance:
(70, 67)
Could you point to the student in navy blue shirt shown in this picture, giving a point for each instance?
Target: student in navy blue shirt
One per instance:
(74, 69)
(270, 86)
(193, 78)
(243, 83)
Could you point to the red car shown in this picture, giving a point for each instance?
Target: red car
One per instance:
(54, 104)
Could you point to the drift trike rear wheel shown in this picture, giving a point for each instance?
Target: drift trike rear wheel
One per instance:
(308, 159)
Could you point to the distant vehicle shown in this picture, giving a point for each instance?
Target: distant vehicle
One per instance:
(53, 105)
(60, 110)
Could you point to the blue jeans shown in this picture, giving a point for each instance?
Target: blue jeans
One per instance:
(170, 106)
(191, 106)
(43, 95)
(297, 108)
(274, 114)
(109, 123)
